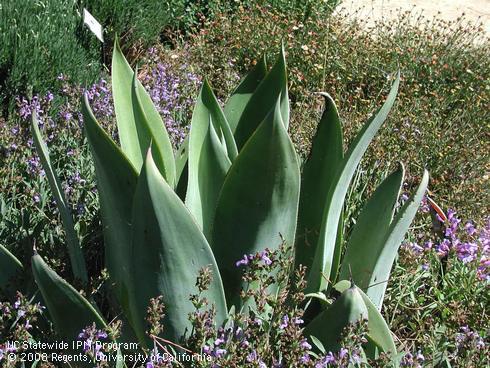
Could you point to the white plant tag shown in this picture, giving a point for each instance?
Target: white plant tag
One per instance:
(93, 25)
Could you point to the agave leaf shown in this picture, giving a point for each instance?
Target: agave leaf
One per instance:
(393, 238)
(259, 200)
(10, 266)
(181, 159)
(329, 324)
(378, 330)
(316, 179)
(243, 92)
(203, 189)
(151, 130)
(337, 254)
(208, 159)
(69, 311)
(272, 87)
(116, 181)
(74, 250)
(122, 80)
(367, 239)
(322, 264)
(208, 101)
(167, 252)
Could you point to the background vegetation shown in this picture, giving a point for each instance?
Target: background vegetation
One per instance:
(440, 120)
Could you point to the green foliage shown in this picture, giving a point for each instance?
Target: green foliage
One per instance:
(167, 251)
(155, 246)
(440, 105)
(348, 308)
(70, 312)
(11, 267)
(41, 40)
(76, 257)
(137, 22)
(445, 72)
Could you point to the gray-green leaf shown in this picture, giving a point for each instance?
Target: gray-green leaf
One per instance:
(259, 200)
(167, 252)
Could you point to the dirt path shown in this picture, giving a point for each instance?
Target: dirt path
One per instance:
(474, 10)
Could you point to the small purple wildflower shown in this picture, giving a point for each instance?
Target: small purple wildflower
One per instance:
(264, 256)
(242, 262)
(284, 322)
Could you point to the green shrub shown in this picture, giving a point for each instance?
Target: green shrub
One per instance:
(134, 21)
(39, 41)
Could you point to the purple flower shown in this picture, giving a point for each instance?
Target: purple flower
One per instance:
(470, 228)
(416, 248)
(442, 248)
(264, 256)
(327, 359)
(27, 325)
(343, 353)
(298, 321)
(219, 353)
(242, 262)
(284, 322)
(66, 115)
(49, 96)
(305, 358)
(252, 357)
(219, 341)
(305, 345)
(101, 334)
(466, 252)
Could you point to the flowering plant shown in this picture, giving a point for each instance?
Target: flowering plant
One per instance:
(234, 187)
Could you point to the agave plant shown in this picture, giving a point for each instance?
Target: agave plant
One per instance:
(234, 188)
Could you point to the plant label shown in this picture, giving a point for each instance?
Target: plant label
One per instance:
(93, 24)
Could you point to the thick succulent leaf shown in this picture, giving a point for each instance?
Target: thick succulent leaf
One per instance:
(272, 87)
(316, 179)
(151, 130)
(322, 264)
(208, 158)
(243, 92)
(122, 80)
(218, 118)
(259, 200)
(367, 239)
(116, 182)
(10, 266)
(393, 238)
(378, 330)
(206, 180)
(70, 312)
(337, 254)
(182, 168)
(328, 325)
(74, 249)
(167, 252)
(181, 159)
